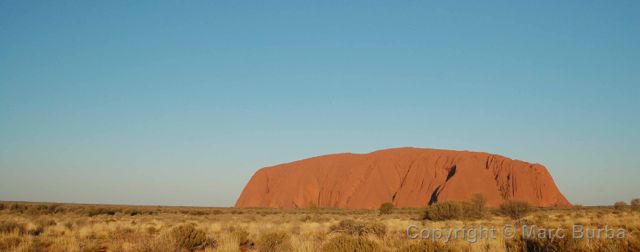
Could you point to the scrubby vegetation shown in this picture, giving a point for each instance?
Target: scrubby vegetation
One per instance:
(635, 204)
(190, 238)
(350, 243)
(359, 228)
(8, 226)
(478, 205)
(274, 242)
(453, 210)
(67, 227)
(425, 246)
(386, 208)
(620, 205)
(449, 210)
(457, 210)
(515, 209)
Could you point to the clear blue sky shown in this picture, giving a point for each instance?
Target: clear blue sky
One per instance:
(178, 103)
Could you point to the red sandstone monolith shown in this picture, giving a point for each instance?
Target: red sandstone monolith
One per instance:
(407, 177)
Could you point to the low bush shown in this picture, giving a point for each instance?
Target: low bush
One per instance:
(386, 208)
(635, 204)
(448, 210)
(424, 245)
(351, 244)
(35, 231)
(305, 218)
(244, 241)
(515, 209)
(477, 209)
(90, 245)
(9, 226)
(95, 211)
(457, 210)
(196, 212)
(358, 228)
(525, 245)
(17, 208)
(377, 229)
(40, 224)
(274, 242)
(33, 245)
(159, 243)
(39, 209)
(541, 219)
(9, 243)
(45, 222)
(189, 237)
(132, 212)
(620, 205)
(313, 208)
(236, 212)
(558, 244)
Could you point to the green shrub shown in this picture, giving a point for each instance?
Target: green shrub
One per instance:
(386, 208)
(515, 209)
(274, 242)
(424, 245)
(358, 228)
(190, 238)
(351, 244)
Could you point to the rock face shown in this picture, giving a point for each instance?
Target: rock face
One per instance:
(407, 177)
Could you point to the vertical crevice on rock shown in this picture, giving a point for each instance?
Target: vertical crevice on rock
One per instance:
(434, 196)
(452, 171)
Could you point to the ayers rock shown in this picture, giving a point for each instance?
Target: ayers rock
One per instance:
(407, 177)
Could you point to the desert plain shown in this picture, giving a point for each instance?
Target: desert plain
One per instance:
(77, 227)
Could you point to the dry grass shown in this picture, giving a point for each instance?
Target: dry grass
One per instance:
(56, 227)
